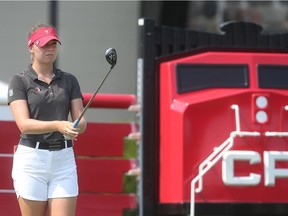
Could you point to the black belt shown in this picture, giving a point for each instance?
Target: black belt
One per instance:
(54, 145)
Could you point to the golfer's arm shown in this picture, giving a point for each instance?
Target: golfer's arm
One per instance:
(76, 110)
(27, 125)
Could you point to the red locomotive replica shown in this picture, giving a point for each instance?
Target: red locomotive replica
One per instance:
(214, 121)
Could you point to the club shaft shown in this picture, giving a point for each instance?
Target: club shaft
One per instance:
(90, 101)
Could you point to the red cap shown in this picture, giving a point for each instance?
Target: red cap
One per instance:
(42, 36)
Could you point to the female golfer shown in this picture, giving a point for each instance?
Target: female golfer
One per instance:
(41, 98)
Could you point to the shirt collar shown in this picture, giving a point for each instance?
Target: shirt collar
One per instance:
(39, 78)
(33, 75)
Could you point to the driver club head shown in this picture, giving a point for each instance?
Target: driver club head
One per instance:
(111, 56)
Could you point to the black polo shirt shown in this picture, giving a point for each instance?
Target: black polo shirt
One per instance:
(46, 102)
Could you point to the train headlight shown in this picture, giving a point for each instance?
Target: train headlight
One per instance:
(260, 107)
(261, 102)
(261, 116)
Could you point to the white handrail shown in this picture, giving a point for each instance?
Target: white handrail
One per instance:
(237, 117)
(207, 162)
(216, 155)
(278, 134)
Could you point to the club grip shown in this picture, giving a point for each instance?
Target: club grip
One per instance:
(76, 122)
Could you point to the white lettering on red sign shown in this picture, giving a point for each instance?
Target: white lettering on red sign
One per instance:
(270, 171)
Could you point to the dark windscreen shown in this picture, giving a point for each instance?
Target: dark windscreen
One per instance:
(192, 77)
(273, 76)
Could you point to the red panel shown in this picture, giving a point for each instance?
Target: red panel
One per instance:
(5, 173)
(102, 139)
(102, 175)
(104, 205)
(10, 135)
(9, 205)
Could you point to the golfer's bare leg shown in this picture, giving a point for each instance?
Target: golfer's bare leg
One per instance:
(62, 206)
(32, 208)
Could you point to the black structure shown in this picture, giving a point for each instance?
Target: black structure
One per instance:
(53, 15)
(174, 13)
(158, 43)
(53, 18)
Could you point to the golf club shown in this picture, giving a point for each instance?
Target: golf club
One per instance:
(111, 57)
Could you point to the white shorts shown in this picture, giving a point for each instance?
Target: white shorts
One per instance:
(43, 174)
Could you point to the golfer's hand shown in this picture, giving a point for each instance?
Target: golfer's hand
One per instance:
(67, 129)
